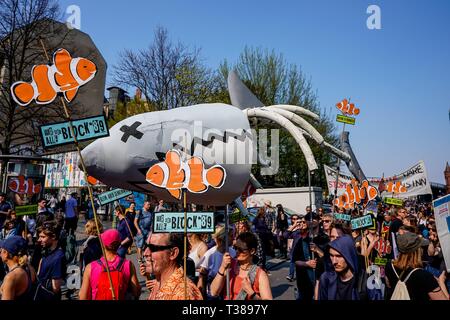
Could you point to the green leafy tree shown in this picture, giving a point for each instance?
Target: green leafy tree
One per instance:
(131, 108)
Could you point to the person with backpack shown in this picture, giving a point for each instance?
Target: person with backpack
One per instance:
(91, 249)
(96, 283)
(247, 280)
(18, 283)
(405, 278)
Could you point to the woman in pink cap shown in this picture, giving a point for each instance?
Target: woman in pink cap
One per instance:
(96, 283)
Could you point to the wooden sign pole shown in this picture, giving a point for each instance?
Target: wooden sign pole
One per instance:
(88, 184)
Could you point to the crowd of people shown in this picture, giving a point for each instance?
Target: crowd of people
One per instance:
(398, 257)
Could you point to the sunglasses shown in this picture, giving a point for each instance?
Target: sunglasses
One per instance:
(156, 248)
(239, 249)
(326, 221)
(302, 221)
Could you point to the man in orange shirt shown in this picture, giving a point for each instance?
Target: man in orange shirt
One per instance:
(165, 251)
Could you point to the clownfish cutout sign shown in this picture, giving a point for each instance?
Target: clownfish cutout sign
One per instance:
(347, 108)
(356, 194)
(21, 186)
(395, 188)
(176, 173)
(65, 75)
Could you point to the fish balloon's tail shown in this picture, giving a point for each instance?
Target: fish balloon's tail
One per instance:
(216, 176)
(22, 93)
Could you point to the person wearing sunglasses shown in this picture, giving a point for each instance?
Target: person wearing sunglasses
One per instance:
(213, 259)
(247, 281)
(292, 234)
(327, 220)
(305, 254)
(96, 284)
(166, 252)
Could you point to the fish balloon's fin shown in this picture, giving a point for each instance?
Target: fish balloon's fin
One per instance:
(240, 95)
(176, 193)
(70, 94)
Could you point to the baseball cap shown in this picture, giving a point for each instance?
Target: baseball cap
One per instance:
(408, 242)
(110, 236)
(14, 245)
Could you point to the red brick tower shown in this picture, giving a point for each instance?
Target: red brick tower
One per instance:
(447, 177)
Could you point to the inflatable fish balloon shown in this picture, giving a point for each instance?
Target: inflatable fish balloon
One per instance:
(192, 148)
(207, 150)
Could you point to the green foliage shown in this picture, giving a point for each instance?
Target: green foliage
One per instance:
(123, 111)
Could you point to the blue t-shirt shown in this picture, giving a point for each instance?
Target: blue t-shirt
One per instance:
(53, 266)
(71, 204)
(145, 219)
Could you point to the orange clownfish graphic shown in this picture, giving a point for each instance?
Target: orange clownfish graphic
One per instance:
(395, 188)
(175, 173)
(355, 194)
(347, 108)
(65, 75)
(21, 186)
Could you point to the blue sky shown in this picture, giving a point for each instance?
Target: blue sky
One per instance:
(399, 76)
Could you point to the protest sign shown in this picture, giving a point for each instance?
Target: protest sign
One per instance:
(356, 193)
(380, 261)
(343, 181)
(362, 222)
(345, 119)
(57, 134)
(113, 195)
(414, 179)
(442, 216)
(26, 210)
(341, 216)
(393, 201)
(237, 216)
(197, 222)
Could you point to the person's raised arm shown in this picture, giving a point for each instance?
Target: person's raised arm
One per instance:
(219, 279)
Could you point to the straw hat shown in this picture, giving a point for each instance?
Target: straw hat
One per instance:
(268, 203)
